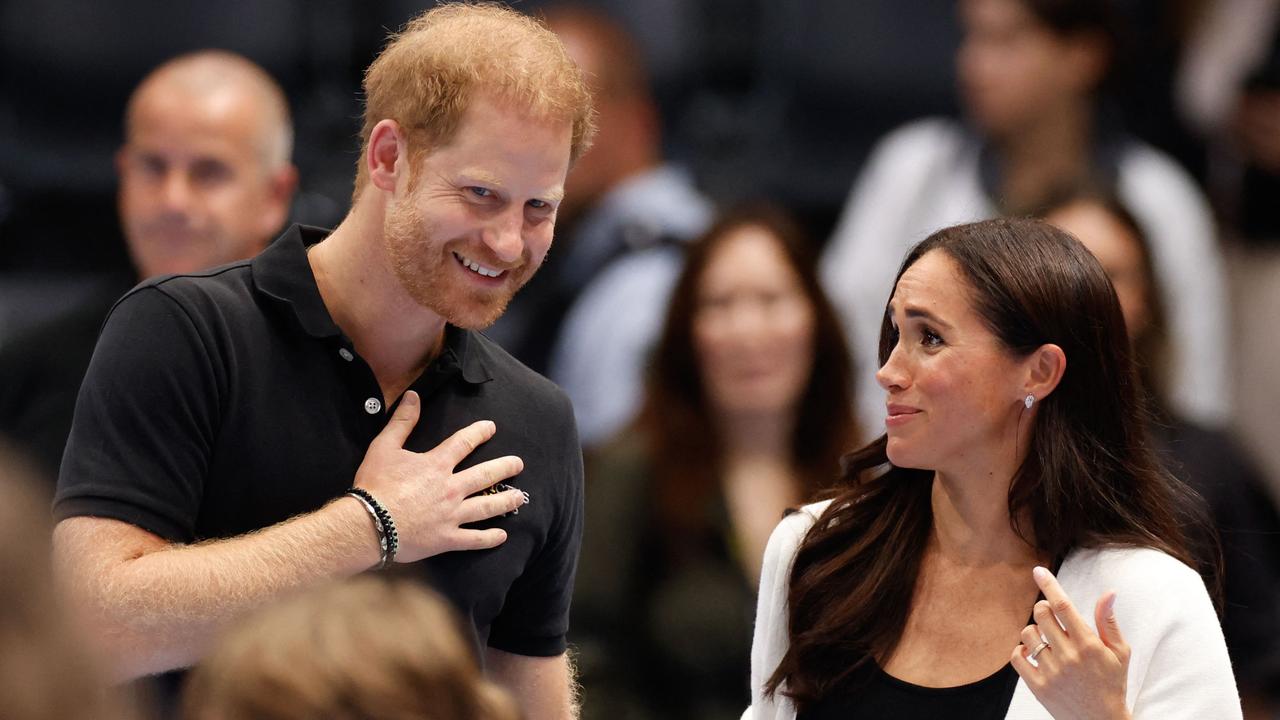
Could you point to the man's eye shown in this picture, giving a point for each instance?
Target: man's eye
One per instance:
(539, 204)
(481, 192)
(152, 165)
(210, 172)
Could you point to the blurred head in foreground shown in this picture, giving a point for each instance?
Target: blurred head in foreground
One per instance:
(364, 649)
(45, 673)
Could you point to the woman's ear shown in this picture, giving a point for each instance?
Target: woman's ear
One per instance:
(1044, 369)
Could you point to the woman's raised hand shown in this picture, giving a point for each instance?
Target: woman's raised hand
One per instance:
(1077, 673)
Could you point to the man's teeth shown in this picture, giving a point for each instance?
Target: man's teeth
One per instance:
(477, 267)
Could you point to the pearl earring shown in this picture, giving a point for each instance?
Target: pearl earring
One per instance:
(1029, 401)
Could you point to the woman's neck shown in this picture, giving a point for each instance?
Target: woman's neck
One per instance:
(756, 436)
(1041, 158)
(971, 523)
(758, 479)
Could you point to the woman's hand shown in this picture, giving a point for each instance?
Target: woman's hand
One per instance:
(1079, 674)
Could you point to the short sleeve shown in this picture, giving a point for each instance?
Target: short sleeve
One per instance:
(145, 420)
(535, 617)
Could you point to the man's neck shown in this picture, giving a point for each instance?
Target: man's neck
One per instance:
(395, 335)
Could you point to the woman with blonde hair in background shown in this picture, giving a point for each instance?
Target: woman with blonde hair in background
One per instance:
(364, 649)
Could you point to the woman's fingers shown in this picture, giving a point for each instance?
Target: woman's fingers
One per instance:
(1104, 617)
(1037, 645)
(1048, 622)
(1062, 607)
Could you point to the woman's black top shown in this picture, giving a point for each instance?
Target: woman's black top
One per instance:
(880, 696)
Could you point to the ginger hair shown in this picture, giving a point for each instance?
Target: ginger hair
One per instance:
(430, 71)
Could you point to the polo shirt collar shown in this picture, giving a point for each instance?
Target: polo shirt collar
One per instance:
(461, 349)
(282, 272)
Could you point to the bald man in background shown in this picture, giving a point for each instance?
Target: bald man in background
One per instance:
(205, 179)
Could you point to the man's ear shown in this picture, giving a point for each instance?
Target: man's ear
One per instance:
(281, 185)
(119, 159)
(388, 155)
(1044, 369)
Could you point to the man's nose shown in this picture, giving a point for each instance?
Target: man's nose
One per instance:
(175, 191)
(504, 236)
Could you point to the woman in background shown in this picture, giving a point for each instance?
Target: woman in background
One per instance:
(747, 411)
(1034, 78)
(1014, 451)
(1209, 460)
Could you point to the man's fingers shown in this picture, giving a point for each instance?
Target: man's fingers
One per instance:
(402, 420)
(1104, 617)
(478, 539)
(489, 473)
(1061, 605)
(484, 507)
(459, 445)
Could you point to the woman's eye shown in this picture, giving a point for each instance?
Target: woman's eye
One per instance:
(929, 338)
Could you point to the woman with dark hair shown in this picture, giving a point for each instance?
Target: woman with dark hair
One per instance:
(1014, 451)
(1209, 460)
(1034, 81)
(748, 408)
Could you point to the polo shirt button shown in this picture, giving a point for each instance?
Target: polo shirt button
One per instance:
(345, 354)
(373, 406)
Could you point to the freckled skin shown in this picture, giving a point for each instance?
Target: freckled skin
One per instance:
(489, 195)
(951, 368)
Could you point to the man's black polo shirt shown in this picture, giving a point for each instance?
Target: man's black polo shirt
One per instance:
(226, 401)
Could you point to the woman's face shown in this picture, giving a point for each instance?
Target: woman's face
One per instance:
(1119, 253)
(953, 390)
(753, 327)
(1014, 71)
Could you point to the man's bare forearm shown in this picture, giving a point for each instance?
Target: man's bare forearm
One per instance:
(544, 687)
(157, 606)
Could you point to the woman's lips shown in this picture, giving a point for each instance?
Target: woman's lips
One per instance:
(900, 414)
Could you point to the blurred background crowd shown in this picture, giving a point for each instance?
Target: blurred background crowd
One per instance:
(712, 302)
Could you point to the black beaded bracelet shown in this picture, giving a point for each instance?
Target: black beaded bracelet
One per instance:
(388, 540)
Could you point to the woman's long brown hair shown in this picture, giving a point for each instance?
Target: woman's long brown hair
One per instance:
(1089, 478)
(677, 421)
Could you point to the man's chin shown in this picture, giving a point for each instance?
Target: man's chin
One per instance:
(472, 315)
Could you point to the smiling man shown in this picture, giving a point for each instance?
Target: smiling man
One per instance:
(328, 407)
